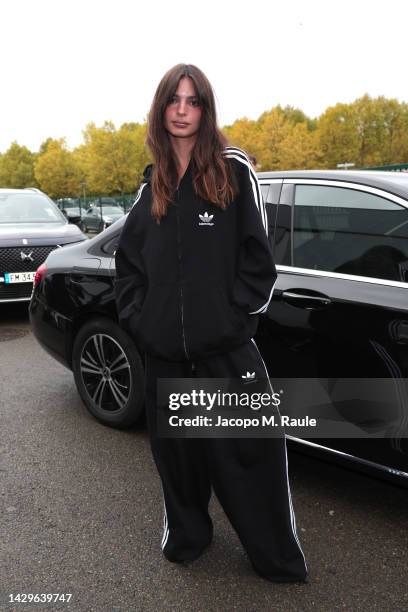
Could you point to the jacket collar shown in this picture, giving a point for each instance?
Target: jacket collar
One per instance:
(147, 173)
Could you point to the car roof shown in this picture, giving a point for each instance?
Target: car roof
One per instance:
(396, 182)
(26, 190)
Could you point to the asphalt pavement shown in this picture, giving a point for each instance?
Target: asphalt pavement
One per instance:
(81, 513)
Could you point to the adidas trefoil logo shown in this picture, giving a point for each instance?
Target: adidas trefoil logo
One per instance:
(248, 376)
(206, 219)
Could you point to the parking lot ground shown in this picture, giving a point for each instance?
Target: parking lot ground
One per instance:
(82, 514)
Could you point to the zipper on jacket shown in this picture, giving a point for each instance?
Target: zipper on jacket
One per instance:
(180, 274)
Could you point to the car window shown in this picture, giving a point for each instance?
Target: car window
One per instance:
(28, 208)
(111, 245)
(340, 197)
(273, 193)
(349, 231)
(264, 191)
(112, 210)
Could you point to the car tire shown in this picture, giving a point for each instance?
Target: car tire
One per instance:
(113, 396)
(82, 227)
(102, 226)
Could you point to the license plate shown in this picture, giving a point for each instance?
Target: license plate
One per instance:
(19, 277)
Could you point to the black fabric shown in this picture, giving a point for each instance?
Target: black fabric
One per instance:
(190, 290)
(249, 477)
(185, 288)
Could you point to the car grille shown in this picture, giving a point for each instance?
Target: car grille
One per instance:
(15, 292)
(11, 261)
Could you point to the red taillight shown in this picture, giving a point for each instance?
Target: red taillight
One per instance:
(39, 275)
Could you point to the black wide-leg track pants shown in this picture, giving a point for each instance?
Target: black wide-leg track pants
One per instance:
(248, 475)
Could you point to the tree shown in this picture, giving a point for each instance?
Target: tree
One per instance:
(44, 145)
(57, 170)
(338, 135)
(113, 160)
(399, 136)
(300, 149)
(17, 167)
(245, 134)
(378, 128)
(274, 129)
(295, 116)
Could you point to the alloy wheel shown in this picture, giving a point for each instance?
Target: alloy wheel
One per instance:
(105, 372)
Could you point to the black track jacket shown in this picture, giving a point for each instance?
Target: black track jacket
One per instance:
(194, 285)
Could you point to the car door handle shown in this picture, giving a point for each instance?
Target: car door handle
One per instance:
(399, 331)
(304, 300)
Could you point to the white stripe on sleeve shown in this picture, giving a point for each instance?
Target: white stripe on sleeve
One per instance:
(139, 193)
(264, 308)
(241, 157)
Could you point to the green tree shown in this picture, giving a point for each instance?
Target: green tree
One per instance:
(17, 167)
(295, 116)
(57, 170)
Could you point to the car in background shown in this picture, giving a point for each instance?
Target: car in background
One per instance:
(31, 226)
(71, 209)
(339, 310)
(103, 201)
(97, 218)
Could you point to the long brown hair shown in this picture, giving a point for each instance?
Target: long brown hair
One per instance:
(213, 179)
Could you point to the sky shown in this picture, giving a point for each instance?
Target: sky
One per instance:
(65, 63)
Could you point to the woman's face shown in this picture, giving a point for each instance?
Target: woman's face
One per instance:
(183, 113)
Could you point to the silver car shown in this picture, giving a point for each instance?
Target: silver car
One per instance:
(98, 218)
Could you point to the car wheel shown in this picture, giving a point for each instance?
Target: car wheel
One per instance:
(82, 227)
(102, 226)
(108, 373)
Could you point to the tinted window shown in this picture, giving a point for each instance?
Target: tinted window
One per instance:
(111, 209)
(274, 193)
(351, 232)
(271, 192)
(281, 234)
(264, 191)
(111, 245)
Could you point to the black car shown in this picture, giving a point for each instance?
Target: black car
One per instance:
(31, 226)
(339, 311)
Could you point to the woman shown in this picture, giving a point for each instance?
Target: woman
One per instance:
(194, 271)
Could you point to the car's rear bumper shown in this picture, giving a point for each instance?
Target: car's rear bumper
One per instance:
(52, 330)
